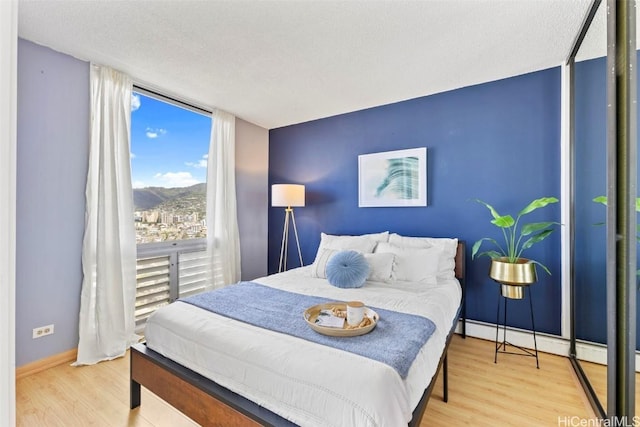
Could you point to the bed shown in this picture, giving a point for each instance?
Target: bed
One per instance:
(222, 372)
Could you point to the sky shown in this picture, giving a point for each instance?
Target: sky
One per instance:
(169, 144)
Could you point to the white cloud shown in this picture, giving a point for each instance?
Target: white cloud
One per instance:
(202, 163)
(135, 102)
(175, 179)
(131, 155)
(154, 133)
(138, 184)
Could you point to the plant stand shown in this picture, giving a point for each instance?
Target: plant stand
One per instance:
(501, 347)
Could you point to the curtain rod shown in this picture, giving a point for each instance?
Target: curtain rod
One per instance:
(161, 96)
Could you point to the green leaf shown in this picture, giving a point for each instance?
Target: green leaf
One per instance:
(538, 203)
(503, 221)
(491, 254)
(535, 239)
(601, 199)
(494, 213)
(476, 246)
(541, 265)
(535, 226)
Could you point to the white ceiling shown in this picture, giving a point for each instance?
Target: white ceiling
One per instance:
(276, 63)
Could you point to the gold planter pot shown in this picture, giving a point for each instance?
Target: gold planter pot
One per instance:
(513, 277)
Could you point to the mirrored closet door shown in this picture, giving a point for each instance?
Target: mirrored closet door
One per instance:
(588, 94)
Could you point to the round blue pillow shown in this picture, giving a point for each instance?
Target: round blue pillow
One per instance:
(347, 269)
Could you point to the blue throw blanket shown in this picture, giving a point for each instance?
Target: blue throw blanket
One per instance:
(396, 339)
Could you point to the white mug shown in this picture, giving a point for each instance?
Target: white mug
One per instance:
(355, 312)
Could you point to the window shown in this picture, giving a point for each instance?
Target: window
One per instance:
(169, 146)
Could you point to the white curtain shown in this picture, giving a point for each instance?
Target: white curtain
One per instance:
(223, 240)
(107, 321)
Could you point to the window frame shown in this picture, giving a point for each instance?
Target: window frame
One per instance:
(170, 248)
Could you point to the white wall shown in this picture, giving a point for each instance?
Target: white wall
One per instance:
(8, 107)
(52, 161)
(252, 168)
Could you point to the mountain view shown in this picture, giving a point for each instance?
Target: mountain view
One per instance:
(153, 197)
(170, 213)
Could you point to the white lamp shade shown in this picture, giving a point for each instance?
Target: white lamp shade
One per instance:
(287, 195)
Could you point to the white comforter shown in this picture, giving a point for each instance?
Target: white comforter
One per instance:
(304, 382)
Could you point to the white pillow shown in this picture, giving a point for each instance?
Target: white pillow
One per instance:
(383, 236)
(448, 248)
(336, 238)
(380, 266)
(319, 266)
(364, 243)
(413, 265)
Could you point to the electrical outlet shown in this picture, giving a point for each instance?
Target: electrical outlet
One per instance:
(42, 331)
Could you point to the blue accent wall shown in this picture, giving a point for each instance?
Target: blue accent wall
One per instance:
(498, 141)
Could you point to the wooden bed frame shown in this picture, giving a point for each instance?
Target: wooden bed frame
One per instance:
(210, 404)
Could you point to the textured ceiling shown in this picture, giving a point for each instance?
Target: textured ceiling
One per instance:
(276, 63)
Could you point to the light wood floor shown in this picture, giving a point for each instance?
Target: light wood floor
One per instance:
(597, 375)
(481, 393)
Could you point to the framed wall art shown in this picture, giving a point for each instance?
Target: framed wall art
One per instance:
(393, 178)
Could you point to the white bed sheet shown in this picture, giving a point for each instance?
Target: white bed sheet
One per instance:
(304, 382)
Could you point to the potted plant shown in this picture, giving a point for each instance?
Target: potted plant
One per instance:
(508, 267)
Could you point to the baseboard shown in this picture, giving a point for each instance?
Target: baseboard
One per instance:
(46, 363)
(586, 351)
(597, 353)
(547, 343)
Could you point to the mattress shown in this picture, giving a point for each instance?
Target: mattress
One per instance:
(305, 382)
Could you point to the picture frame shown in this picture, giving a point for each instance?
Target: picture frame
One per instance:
(393, 178)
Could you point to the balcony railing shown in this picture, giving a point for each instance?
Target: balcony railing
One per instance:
(167, 271)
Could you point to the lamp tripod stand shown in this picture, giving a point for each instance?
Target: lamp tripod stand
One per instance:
(285, 239)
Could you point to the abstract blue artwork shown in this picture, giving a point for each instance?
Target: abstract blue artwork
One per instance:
(393, 178)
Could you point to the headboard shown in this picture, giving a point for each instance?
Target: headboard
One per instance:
(460, 260)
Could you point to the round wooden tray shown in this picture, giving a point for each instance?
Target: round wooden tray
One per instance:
(311, 314)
